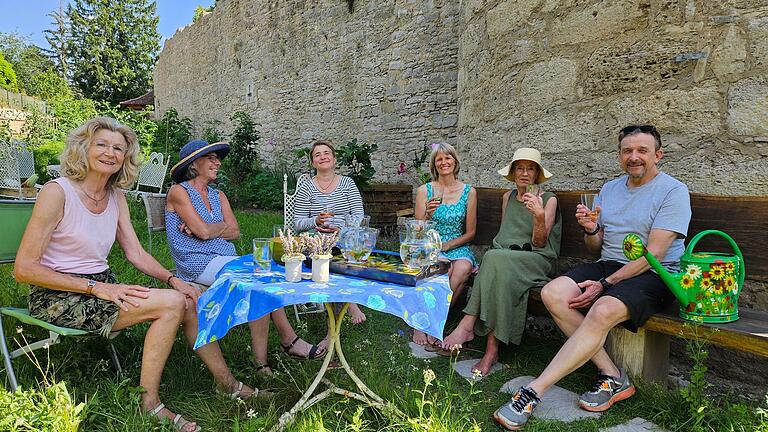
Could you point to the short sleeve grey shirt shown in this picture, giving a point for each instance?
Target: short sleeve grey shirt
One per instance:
(662, 203)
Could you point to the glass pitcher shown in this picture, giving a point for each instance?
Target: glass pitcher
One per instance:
(357, 243)
(420, 243)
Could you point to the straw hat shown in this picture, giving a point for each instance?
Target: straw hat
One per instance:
(529, 154)
(194, 150)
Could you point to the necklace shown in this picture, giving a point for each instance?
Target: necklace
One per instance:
(327, 185)
(82, 189)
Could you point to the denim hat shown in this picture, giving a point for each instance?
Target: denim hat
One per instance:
(530, 154)
(194, 150)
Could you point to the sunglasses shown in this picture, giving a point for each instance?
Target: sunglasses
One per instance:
(633, 129)
(526, 247)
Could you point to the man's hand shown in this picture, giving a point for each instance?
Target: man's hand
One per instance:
(592, 290)
(585, 218)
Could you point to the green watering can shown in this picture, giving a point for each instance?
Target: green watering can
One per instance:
(709, 284)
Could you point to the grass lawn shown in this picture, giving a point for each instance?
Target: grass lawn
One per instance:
(377, 351)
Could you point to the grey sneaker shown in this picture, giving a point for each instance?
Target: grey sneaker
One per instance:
(606, 391)
(514, 414)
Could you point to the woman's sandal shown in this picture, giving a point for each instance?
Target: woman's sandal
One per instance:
(263, 369)
(235, 395)
(178, 422)
(312, 355)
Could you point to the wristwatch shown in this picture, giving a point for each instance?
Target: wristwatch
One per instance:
(89, 288)
(605, 283)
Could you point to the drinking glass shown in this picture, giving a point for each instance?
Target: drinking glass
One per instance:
(328, 210)
(437, 195)
(588, 201)
(534, 189)
(262, 255)
(356, 221)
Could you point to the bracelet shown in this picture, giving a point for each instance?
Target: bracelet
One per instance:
(168, 281)
(597, 229)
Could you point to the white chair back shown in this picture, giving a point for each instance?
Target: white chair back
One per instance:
(289, 200)
(10, 178)
(152, 172)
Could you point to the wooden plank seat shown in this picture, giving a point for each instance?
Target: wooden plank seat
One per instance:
(646, 353)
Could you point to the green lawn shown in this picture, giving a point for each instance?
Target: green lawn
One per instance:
(377, 350)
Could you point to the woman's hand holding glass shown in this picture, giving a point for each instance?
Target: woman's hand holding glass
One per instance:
(532, 200)
(434, 202)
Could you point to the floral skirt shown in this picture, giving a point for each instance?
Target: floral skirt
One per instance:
(74, 310)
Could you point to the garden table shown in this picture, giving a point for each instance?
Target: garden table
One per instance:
(239, 295)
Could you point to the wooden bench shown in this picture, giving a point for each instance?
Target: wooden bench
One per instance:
(646, 353)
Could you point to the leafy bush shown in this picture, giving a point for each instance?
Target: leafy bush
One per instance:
(242, 165)
(355, 161)
(50, 408)
(7, 75)
(171, 134)
(49, 85)
(46, 154)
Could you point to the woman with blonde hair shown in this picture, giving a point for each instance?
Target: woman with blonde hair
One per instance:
(453, 205)
(63, 257)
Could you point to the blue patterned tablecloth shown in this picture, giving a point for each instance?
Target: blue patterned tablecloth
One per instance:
(239, 296)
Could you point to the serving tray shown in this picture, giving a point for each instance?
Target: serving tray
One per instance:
(386, 266)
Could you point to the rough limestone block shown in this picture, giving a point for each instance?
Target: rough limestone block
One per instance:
(695, 111)
(758, 36)
(603, 20)
(418, 351)
(557, 403)
(464, 368)
(748, 107)
(728, 59)
(635, 425)
(547, 84)
(507, 17)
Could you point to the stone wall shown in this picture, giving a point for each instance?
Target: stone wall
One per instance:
(385, 73)
(565, 75)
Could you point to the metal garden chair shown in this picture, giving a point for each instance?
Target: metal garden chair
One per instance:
(289, 201)
(14, 215)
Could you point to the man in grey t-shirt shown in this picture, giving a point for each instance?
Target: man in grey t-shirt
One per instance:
(645, 201)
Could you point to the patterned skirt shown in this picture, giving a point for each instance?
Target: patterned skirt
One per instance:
(74, 310)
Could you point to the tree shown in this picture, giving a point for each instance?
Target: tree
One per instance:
(58, 38)
(27, 59)
(112, 47)
(7, 75)
(48, 85)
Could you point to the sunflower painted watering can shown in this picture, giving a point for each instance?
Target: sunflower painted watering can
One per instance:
(710, 282)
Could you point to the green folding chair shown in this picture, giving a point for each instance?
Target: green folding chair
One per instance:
(14, 216)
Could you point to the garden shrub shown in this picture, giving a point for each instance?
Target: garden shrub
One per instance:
(7, 75)
(355, 161)
(50, 408)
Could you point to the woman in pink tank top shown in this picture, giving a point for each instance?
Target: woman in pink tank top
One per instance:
(63, 256)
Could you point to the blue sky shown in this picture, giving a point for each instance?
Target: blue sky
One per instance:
(29, 17)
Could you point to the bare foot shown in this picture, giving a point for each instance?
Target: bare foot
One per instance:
(322, 346)
(182, 424)
(421, 338)
(357, 315)
(485, 364)
(457, 338)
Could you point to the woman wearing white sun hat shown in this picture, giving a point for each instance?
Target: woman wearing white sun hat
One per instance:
(523, 256)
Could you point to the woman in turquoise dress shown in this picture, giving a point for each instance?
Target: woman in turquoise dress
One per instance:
(453, 205)
(523, 256)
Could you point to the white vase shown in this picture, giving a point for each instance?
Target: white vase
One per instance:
(292, 268)
(321, 268)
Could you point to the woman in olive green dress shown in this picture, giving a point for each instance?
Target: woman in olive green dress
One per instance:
(523, 256)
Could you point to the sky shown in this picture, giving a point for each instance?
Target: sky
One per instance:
(29, 17)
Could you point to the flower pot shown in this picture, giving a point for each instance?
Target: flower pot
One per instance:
(293, 267)
(321, 268)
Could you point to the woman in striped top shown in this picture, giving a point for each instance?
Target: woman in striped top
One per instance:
(322, 203)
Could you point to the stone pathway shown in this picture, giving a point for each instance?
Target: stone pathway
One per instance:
(464, 368)
(635, 425)
(418, 351)
(557, 403)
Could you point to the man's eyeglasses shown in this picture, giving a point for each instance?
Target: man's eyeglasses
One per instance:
(633, 129)
(526, 247)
